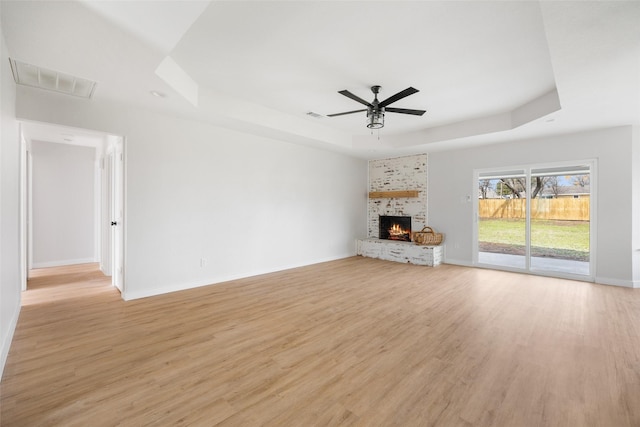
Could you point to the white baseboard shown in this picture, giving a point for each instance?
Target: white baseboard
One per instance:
(617, 282)
(63, 262)
(457, 262)
(6, 343)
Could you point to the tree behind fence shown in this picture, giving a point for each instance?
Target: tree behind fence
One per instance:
(561, 209)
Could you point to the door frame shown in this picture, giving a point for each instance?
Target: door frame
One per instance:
(26, 205)
(25, 208)
(593, 170)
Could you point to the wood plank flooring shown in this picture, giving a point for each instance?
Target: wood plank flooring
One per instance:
(357, 341)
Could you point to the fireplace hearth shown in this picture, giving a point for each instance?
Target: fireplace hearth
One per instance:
(396, 228)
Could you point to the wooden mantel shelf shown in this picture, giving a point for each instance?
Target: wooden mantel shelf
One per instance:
(393, 194)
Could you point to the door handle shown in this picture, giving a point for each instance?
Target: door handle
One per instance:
(114, 222)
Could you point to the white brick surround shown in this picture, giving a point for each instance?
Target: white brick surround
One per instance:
(398, 174)
(400, 251)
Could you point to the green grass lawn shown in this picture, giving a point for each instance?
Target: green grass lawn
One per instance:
(559, 239)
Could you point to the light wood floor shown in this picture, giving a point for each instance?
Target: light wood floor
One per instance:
(351, 342)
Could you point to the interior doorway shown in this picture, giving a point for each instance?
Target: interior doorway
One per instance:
(537, 218)
(54, 200)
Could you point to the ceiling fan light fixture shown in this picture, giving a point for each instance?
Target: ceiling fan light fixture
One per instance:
(376, 109)
(375, 118)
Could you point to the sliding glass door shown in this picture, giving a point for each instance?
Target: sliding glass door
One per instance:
(560, 220)
(536, 219)
(502, 208)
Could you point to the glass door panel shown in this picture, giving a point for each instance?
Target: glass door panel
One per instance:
(502, 209)
(560, 220)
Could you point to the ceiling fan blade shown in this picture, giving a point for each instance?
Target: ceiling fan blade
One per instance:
(405, 111)
(355, 98)
(398, 96)
(348, 112)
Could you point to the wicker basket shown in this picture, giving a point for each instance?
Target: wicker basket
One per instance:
(426, 237)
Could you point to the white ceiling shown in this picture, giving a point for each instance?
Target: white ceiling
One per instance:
(487, 71)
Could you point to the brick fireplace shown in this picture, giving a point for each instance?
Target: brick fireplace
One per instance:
(397, 204)
(399, 174)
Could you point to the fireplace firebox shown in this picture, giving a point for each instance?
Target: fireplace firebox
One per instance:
(395, 228)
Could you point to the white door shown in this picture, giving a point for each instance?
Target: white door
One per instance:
(107, 216)
(117, 214)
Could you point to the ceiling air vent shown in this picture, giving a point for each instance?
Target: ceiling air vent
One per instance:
(34, 76)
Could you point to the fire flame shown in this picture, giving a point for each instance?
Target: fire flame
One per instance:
(397, 232)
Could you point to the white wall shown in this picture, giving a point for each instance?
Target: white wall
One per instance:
(63, 197)
(451, 181)
(245, 205)
(10, 247)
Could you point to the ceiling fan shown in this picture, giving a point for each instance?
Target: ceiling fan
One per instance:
(376, 109)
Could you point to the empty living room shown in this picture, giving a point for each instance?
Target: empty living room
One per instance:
(372, 213)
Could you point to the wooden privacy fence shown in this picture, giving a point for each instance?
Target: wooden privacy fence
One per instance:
(562, 209)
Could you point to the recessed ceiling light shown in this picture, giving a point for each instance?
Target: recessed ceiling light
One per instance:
(158, 94)
(315, 115)
(550, 119)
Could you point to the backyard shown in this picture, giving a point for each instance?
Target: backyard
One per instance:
(554, 239)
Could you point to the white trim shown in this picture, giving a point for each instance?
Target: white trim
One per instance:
(29, 212)
(105, 210)
(475, 250)
(593, 217)
(24, 206)
(617, 282)
(462, 263)
(527, 220)
(97, 193)
(125, 221)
